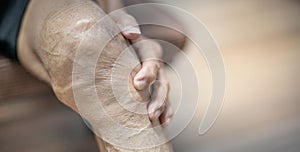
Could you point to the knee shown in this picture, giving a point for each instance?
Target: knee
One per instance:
(65, 26)
(59, 38)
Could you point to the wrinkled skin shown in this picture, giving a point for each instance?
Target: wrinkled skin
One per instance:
(47, 45)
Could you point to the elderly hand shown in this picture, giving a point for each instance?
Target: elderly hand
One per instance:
(151, 73)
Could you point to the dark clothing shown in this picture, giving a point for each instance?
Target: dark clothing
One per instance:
(11, 14)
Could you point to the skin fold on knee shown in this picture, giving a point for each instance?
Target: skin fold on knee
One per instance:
(61, 35)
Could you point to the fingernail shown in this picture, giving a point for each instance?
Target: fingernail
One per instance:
(131, 30)
(140, 84)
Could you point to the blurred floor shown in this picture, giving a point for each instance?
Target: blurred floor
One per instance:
(260, 42)
(39, 123)
(33, 120)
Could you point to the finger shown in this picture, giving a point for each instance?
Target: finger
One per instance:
(146, 75)
(159, 96)
(135, 71)
(166, 116)
(129, 27)
(147, 49)
(127, 23)
(149, 52)
(131, 32)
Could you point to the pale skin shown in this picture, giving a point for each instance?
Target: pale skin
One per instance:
(35, 46)
(152, 70)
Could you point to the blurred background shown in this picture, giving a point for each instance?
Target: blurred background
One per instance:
(260, 43)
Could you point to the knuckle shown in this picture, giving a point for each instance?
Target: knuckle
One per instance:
(151, 75)
(156, 65)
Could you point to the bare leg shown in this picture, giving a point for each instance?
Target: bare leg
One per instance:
(49, 37)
